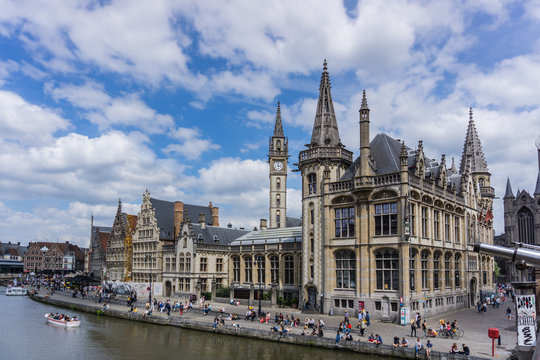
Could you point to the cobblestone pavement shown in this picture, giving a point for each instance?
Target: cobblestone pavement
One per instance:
(474, 324)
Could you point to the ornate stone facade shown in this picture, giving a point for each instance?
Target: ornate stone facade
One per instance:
(278, 155)
(394, 224)
(119, 252)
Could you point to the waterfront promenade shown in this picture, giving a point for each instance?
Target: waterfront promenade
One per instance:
(473, 323)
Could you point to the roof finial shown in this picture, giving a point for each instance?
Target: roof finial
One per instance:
(325, 68)
(364, 101)
(470, 114)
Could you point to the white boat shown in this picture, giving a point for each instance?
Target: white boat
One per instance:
(16, 291)
(72, 322)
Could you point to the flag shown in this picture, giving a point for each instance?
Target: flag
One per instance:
(489, 216)
(481, 215)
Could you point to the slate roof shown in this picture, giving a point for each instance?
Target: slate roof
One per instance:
(292, 222)
(288, 234)
(165, 216)
(473, 155)
(537, 188)
(508, 193)
(215, 234)
(8, 248)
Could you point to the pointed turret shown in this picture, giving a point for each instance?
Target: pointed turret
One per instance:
(325, 129)
(508, 194)
(473, 155)
(278, 128)
(537, 188)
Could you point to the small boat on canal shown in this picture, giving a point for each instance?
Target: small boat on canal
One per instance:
(16, 291)
(62, 320)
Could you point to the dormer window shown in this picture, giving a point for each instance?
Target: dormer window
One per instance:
(200, 237)
(216, 240)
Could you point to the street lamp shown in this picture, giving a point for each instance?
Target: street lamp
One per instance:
(146, 258)
(258, 262)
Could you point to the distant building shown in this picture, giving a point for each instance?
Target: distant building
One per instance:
(9, 251)
(522, 221)
(53, 257)
(99, 239)
(119, 253)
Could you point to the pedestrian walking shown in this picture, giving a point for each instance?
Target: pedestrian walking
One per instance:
(413, 328)
(424, 328)
(509, 313)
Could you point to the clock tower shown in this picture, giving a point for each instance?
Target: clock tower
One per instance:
(278, 154)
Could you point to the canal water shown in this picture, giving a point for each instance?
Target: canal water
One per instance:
(25, 334)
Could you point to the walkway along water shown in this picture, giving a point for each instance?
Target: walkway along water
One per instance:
(195, 321)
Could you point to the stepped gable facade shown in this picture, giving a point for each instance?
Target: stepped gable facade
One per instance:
(53, 257)
(392, 225)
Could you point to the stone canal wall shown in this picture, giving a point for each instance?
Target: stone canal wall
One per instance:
(193, 324)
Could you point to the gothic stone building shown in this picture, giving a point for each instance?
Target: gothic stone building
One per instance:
(522, 221)
(99, 239)
(119, 251)
(392, 224)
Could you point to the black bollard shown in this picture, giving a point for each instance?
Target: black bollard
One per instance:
(499, 340)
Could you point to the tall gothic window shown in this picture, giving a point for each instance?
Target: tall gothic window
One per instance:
(457, 267)
(387, 269)
(525, 221)
(425, 222)
(457, 228)
(181, 262)
(278, 183)
(248, 275)
(344, 222)
(236, 268)
(278, 218)
(274, 269)
(345, 269)
(188, 262)
(412, 268)
(413, 220)
(312, 184)
(424, 258)
(447, 264)
(447, 227)
(261, 268)
(436, 270)
(288, 261)
(386, 219)
(437, 225)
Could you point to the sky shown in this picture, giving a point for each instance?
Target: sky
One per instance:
(101, 100)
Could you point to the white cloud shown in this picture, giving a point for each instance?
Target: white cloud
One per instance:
(26, 123)
(191, 144)
(108, 112)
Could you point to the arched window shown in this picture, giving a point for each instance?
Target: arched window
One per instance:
(188, 262)
(484, 270)
(288, 261)
(278, 219)
(413, 258)
(260, 261)
(181, 262)
(278, 145)
(424, 258)
(236, 268)
(274, 269)
(312, 184)
(525, 226)
(436, 270)
(457, 267)
(278, 200)
(447, 265)
(278, 183)
(387, 269)
(311, 214)
(345, 269)
(248, 275)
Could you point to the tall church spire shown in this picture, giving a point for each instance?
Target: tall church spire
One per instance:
(473, 155)
(278, 128)
(537, 188)
(325, 129)
(508, 194)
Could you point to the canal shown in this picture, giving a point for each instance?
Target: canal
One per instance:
(26, 335)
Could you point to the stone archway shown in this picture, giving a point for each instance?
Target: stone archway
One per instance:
(472, 291)
(168, 289)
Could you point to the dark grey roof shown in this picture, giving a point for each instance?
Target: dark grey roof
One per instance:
(292, 222)
(508, 193)
(537, 188)
(5, 247)
(271, 236)
(165, 216)
(216, 235)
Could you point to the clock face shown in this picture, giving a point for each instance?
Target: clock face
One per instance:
(278, 165)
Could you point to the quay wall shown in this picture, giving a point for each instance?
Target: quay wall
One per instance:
(192, 324)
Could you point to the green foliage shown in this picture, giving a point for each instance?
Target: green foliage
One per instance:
(223, 292)
(266, 295)
(207, 295)
(497, 269)
(99, 312)
(281, 301)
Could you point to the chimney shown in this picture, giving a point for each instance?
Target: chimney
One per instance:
(263, 224)
(215, 214)
(178, 212)
(202, 220)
